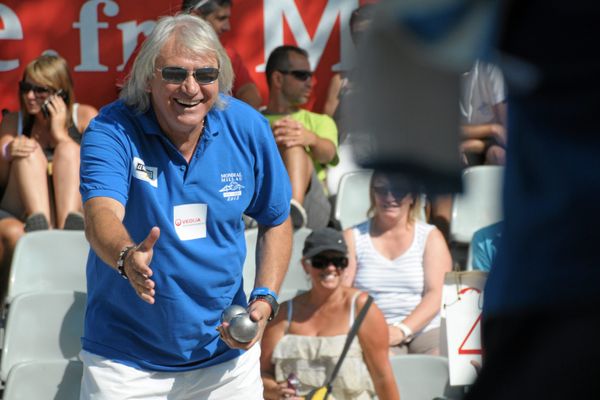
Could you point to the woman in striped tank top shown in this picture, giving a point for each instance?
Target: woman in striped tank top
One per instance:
(401, 262)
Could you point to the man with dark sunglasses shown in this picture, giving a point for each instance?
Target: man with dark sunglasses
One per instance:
(307, 141)
(167, 172)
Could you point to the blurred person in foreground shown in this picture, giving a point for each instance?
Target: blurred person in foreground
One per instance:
(166, 173)
(41, 141)
(401, 262)
(307, 140)
(308, 336)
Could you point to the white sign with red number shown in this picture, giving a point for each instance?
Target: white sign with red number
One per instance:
(462, 301)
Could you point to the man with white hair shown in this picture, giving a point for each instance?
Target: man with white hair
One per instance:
(166, 173)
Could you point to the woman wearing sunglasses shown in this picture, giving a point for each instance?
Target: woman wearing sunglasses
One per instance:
(302, 344)
(401, 262)
(41, 138)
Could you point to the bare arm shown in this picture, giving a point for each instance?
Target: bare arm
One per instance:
(436, 262)
(250, 94)
(107, 236)
(376, 351)
(289, 132)
(333, 91)
(273, 250)
(85, 113)
(350, 271)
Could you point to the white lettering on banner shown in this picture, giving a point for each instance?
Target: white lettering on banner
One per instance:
(131, 31)
(276, 10)
(12, 30)
(88, 26)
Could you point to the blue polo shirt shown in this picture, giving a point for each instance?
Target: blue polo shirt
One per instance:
(197, 261)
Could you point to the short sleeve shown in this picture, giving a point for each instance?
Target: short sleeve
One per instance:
(270, 204)
(105, 169)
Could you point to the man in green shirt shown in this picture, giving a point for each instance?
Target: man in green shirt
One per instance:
(307, 141)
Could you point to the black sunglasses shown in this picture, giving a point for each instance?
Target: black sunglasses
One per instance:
(203, 76)
(25, 87)
(384, 191)
(321, 262)
(300, 74)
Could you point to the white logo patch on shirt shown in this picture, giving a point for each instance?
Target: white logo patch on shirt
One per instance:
(190, 221)
(145, 173)
(233, 189)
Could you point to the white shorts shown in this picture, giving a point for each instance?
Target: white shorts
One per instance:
(239, 378)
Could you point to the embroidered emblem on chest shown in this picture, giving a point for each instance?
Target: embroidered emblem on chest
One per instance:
(233, 188)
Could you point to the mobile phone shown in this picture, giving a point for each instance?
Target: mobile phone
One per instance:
(60, 93)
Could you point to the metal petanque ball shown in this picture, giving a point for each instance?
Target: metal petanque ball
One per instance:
(242, 328)
(231, 312)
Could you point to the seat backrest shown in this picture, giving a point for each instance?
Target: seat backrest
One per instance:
(295, 280)
(48, 260)
(352, 200)
(44, 380)
(43, 326)
(423, 377)
(479, 205)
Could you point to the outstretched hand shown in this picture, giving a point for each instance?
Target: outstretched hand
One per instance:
(137, 266)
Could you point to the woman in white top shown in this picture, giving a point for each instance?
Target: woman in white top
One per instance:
(401, 262)
(47, 128)
(308, 335)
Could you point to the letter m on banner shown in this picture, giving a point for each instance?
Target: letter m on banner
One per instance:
(275, 11)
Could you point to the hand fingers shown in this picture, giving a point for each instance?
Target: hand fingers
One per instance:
(150, 240)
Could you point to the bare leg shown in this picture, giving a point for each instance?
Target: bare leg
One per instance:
(299, 167)
(29, 178)
(65, 177)
(11, 229)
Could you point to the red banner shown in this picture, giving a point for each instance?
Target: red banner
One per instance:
(97, 37)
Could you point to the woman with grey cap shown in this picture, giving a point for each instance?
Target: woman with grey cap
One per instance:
(301, 346)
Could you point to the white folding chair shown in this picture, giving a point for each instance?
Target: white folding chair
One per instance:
(48, 260)
(423, 377)
(44, 380)
(43, 326)
(295, 280)
(479, 205)
(352, 200)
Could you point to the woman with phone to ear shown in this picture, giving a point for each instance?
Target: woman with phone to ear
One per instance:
(43, 138)
(401, 262)
(303, 343)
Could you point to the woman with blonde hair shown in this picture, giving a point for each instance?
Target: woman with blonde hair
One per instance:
(43, 138)
(401, 262)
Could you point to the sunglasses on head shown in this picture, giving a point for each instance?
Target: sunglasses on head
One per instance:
(203, 76)
(300, 74)
(384, 191)
(321, 262)
(26, 87)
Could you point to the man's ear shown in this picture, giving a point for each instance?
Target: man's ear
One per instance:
(276, 79)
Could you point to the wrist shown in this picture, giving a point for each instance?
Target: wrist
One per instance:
(268, 296)
(406, 332)
(121, 260)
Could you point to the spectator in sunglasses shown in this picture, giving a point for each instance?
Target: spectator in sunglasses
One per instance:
(42, 139)
(166, 173)
(307, 141)
(308, 336)
(401, 262)
(217, 13)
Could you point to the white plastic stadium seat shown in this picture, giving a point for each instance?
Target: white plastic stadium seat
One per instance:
(48, 260)
(423, 377)
(479, 205)
(44, 380)
(352, 200)
(295, 280)
(43, 326)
